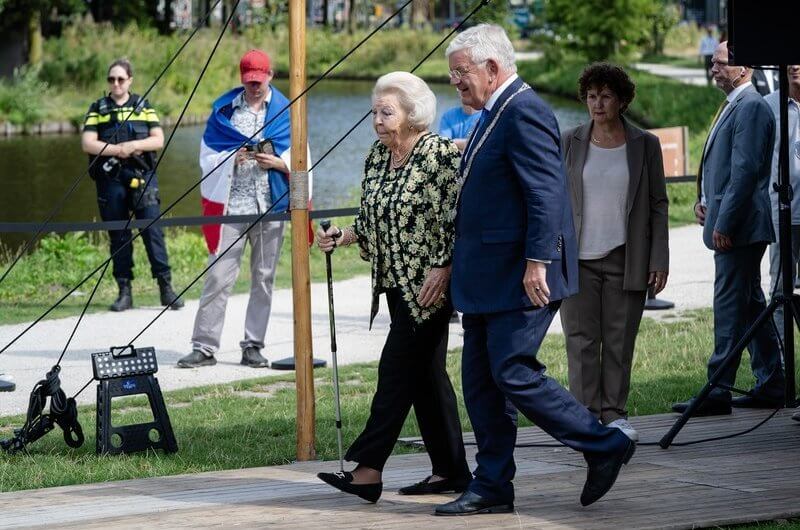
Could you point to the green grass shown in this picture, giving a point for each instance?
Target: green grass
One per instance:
(40, 278)
(211, 422)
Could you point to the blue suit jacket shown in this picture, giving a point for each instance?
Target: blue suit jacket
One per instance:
(736, 173)
(513, 205)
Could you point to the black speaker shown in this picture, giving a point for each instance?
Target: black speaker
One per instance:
(763, 32)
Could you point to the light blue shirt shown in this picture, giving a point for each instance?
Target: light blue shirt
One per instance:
(774, 101)
(457, 124)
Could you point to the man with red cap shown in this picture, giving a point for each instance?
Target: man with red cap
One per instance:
(245, 159)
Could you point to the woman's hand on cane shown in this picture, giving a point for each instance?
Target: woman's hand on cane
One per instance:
(325, 238)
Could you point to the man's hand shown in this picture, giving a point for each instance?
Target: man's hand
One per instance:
(535, 283)
(126, 150)
(434, 287)
(700, 213)
(242, 155)
(721, 242)
(657, 280)
(266, 161)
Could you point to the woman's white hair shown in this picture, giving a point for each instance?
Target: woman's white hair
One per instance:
(415, 97)
(484, 42)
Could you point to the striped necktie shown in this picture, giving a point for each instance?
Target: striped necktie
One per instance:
(721, 108)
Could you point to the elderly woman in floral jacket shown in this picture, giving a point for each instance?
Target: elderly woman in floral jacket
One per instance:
(405, 228)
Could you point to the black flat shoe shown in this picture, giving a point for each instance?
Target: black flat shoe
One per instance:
(756, 402)
(603, 472)
(343, 480)
(426, 487)
(473, 504)
(709, 407)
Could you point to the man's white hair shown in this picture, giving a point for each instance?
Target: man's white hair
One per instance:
(415, 96)
(484, 42)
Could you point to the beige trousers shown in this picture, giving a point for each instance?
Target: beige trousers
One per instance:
(600, 325)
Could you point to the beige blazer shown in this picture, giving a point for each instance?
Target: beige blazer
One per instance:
(647, 243)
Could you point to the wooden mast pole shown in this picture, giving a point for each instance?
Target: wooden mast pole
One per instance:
(301, 285)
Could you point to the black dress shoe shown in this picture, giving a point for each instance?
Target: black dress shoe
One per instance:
(709, 407)
(603, 472)
(470, 503)
(756, 402)
(426, 487)
(343, 480)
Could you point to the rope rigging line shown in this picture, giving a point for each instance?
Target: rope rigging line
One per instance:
(151, 176)
(477, 8)
(60, 205)
(200, 181)
(261, 216)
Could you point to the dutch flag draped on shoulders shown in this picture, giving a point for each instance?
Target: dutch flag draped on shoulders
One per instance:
(220, 139)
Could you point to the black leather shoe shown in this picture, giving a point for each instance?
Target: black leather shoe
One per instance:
(252, 357)
(343, 480)
(756, 402)
(124, 299)
(426, 487)
(709, 407)
(196, 359)
(603, 472)
(470, 503)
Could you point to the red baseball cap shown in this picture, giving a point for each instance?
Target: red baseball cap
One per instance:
(254, 66)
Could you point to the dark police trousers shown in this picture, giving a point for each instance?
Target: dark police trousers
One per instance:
(412, 372)
(116, 200)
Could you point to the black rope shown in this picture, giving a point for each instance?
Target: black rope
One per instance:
(150, 177)
(60, 205)
(63, 412)
(195, 185)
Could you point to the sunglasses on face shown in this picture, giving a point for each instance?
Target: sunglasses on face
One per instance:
(112, 80)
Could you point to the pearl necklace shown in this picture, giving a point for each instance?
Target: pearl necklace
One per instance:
(397, 163)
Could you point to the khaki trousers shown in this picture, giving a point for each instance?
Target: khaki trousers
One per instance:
(265, 240)
(600, 325)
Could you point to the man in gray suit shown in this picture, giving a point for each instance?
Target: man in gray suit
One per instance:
(733, 207)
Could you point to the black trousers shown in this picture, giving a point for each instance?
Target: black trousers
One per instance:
(412, 372)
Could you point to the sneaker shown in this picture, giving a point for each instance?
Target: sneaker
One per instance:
(196, 359)
(251, 356)
(625, 426)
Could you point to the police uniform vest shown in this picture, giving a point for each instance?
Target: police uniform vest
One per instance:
(121, 123)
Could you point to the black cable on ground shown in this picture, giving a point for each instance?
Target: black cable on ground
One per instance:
(29, 243)
(152, 175)
(641, 444)
(195, 185)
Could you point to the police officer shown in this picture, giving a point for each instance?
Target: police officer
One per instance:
(121, 175)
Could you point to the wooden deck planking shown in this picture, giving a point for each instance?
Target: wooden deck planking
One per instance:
(743, 479)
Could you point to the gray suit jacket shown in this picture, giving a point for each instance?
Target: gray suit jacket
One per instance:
(647, 244)
(736, 172)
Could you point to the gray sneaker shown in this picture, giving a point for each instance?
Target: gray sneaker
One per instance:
(196, 359)
(251, 356)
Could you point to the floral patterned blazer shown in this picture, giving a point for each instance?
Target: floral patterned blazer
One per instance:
(404, 224)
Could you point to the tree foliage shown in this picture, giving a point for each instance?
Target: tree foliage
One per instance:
(601, 29)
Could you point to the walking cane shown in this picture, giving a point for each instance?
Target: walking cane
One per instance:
(325, 225)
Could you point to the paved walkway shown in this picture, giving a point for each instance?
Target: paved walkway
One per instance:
(690, 76)
(696, 486)
(689, 286)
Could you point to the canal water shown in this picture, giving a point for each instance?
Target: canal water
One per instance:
(36, 171)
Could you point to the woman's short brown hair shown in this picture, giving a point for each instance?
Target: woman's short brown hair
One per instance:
(123, 63)
(602, 75)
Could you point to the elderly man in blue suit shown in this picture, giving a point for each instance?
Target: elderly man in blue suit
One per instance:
(515, 259)
(733, 207)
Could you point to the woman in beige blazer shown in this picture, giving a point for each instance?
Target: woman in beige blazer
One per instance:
(619, 205)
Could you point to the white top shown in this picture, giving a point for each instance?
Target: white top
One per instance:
(605, 200)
